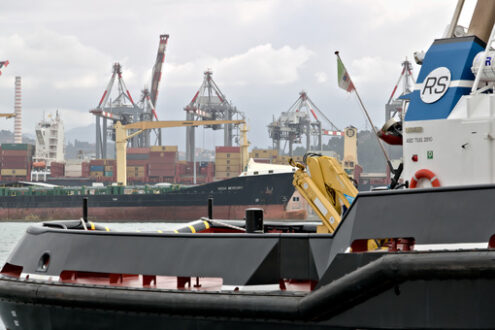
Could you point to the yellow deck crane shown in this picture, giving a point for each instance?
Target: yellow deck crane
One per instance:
(122, 136)
(327, 188)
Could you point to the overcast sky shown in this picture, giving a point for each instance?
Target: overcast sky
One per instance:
(262, 53)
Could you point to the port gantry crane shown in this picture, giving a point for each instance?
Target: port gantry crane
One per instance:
(6, 115)
(296, 122)
(209, 103)
(149, 97)
(124, 109)
(3, 64)
(122, 136)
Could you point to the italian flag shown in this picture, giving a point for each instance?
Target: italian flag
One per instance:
(344, 79)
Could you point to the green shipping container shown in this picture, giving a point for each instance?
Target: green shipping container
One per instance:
(108, 173)
(17, 146)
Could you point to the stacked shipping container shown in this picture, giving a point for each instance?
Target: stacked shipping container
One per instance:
(264, 155)
(227, 162)
(137, 165)
(185, 172)
(16, 160)
(102, 170)
(271, 156)
(57, 169)
(85, 169)
(284, 160)
(162, 163)
(73, 168)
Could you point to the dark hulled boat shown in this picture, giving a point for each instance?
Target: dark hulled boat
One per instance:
(272, 192)
(62, 277)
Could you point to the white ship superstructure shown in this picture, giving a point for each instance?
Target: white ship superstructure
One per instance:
(50, 140)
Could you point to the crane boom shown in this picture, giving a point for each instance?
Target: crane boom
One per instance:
(157, 71)
(121, 137)
(2, 64)
(326, 187)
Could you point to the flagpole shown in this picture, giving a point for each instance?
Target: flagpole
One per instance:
(368, 116)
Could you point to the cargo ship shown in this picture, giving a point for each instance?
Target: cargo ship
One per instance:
(158, 192)
(264, 187)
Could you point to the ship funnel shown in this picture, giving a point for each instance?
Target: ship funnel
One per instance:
(483, 19)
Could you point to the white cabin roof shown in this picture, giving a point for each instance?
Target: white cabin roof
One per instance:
(254, 168)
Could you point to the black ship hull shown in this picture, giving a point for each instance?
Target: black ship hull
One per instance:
(435, 274)
(273, 193)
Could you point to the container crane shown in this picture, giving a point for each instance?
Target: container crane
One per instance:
(6, 115)
(122, 108)
(122, 136)
(297, 121)
(3, 64)
(209, 103)
(155, 80)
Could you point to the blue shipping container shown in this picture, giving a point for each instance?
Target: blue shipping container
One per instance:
(97, 168)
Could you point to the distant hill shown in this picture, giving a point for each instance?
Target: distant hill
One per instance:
(7, 136)
(82, 134)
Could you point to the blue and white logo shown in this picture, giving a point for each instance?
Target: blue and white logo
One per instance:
(350, 199)
(435, 85)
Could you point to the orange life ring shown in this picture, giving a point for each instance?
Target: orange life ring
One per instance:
(424, 174)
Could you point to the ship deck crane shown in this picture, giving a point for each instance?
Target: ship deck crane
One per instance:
(122, 136)
(327, 188)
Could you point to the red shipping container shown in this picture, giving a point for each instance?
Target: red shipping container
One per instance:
(15, 165)
(138, 150)
(161, 172)
(135, 162)
(25, 158)
(161, 166)
(15, 153)
(163, 154)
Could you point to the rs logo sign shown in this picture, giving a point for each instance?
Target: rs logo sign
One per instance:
(435, 85)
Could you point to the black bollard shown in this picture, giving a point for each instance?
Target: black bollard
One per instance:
(85, 209)
(254, 220)
(210, 208)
